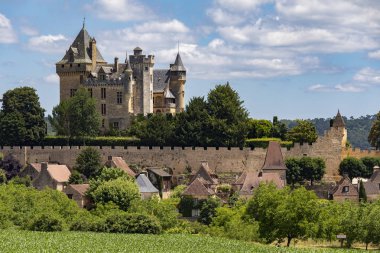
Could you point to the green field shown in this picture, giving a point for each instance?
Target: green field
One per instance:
(26, 241)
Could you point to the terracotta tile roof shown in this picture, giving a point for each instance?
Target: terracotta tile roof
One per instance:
(196, 188)
(59, 173)
(80, 188)
(118, 162)
(205, 173)
(273, 157)
(252, 179)
(36, 166)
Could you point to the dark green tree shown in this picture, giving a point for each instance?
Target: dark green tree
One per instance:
(259, 128)
(303, 132)
(362, 193)
(293, 173)
(22, 117)
(312, 169)
(11, 166)
(76, 117)
(228, 117)
(76, 178)
(353, 167)
(369, 163)
(208, 210)
(88, 162)
(279, 129)
(374, 133)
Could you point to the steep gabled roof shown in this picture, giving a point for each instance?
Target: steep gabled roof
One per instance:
(159, 172)
(36, 166)
(273, 157)
(79, 188)
(145, 186)
(338, 121)
(118, 162)
(251, 180)
(371, 188)
(375, 177)
(205, 173)
(196, 188)
(82, 50)
(345, 181)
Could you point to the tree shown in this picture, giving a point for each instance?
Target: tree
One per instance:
(279, 129)
(374, 133)
(259, 128)
(208, 210)
(353, 167)
(228, 117)
(304, 132)
(11, 166)
(293, 173)
(362, 193)
(76, 178)
(369, 163)
(88, 162)
(120, 191)
(77, 116)
(370, 224)
(22, 117)
(313, 169)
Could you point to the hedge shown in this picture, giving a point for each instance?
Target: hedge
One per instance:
(264, 142)
(94, 141)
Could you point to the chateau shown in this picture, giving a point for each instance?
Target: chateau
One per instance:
(121, 89)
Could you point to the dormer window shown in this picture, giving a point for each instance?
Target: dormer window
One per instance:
(345, 189)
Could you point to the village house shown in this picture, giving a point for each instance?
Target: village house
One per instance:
(345, 190)
(32, 170)
(146, 188)
(77, 192)
(372, 186)
(197, 192)
(206, 176)
(53, 176)
(119, 162)
(161, 180)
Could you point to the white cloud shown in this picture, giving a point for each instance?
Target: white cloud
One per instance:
(374, 54)
(52, 78)
(120, 10)
(28, 30)
(173, 26)
(350, 87)
(223, 17)
(242, 5)
(320, 88)
(48, 43)
(368, 75)
(216, 43)
(7, 34)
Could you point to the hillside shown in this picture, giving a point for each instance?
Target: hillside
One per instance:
(357, 128)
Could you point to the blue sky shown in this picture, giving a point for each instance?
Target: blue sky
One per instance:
(290, 58)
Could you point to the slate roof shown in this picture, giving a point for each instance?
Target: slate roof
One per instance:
(375, 177)
(159, 172)
(118, 162)
(161, 79)
(196, 188)
(81, 49)
(145, 186)
(338, 121)
(59, 173)
(252, 179)
(273, 157)
(178, 65)
(371, 188)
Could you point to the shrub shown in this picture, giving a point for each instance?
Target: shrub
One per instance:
(132, 223)
(3, 177)
(92, 141)
(264, 142)
(47, 222)
(85, 221)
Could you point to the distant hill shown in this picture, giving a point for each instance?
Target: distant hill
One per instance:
(357, 128)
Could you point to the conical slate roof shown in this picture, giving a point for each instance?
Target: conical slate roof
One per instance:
(338, 121)
(178, 65)
(81, 50)
(273, 158)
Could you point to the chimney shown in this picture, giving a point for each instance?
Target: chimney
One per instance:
(376, 168)
(93, 53)
(44, 166)
(116, 65)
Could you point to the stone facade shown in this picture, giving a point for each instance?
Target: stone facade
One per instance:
(121, 89)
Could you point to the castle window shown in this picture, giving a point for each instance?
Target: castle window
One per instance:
(104, 109)
(90, 91)
(103, 93)
(71, 65)
(115, 125)
(78, 64)
(72, 92)
(119, 98)
(103, 122)
(146, 68)
(63, 65)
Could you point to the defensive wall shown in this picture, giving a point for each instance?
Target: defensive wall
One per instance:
(221, 160)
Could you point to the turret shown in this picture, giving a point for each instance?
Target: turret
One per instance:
(339, 128)
(93, 53)
(177, 82)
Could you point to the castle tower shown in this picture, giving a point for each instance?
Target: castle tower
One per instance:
(78, 62)
(177, 83)
(129, 86)
(339, 128)
(142, 67)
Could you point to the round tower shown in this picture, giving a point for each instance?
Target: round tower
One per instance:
(177, 82)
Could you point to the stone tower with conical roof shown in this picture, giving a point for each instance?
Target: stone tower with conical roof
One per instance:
(177, 84)
(339, 128)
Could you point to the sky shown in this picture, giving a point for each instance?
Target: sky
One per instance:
(295, 59)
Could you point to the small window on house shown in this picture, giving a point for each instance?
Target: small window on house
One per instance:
(116, 125)
(345, 189)
(70, 196)
(104, 109)
(119, 98)
(63, 65)
(146, 68)
(103, 93)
